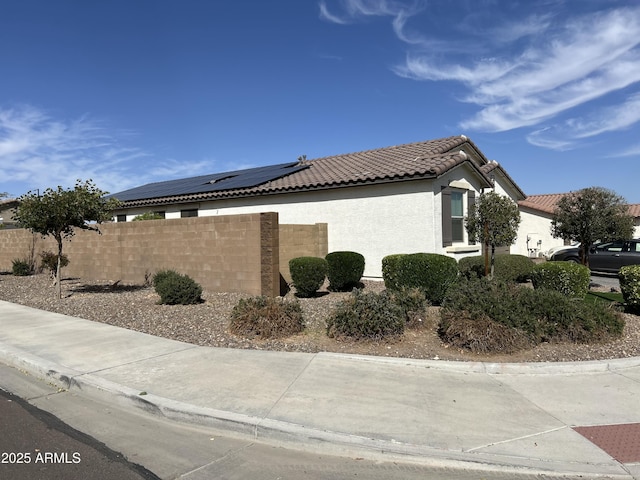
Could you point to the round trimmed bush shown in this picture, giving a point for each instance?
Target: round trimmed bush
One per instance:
(266, 317)
(176, 289)
(366, 315)
(630, 286)
(391, 271)
(430, 272)
(344, 270)
(569, 278)
(507, 267)
(308, 274)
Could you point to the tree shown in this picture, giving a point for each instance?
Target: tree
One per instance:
(589, 215)
(58, 212)
(493, 221)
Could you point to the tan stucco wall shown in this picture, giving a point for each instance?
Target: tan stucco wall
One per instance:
(237, 253)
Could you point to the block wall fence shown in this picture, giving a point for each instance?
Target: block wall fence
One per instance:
(246, 253)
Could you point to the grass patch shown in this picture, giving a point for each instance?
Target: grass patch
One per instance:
(593, 297)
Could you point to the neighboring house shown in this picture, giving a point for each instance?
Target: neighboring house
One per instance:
(6, 213)
(400, 199)
(536, 212)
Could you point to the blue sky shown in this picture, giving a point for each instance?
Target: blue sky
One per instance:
(135, 91)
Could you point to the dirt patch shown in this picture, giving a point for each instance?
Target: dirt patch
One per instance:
(207, 324)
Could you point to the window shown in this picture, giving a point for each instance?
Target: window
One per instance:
(160, 214)
(121, 218)
(453, 213)
(457, 217)
(189, 213)
(612, 246)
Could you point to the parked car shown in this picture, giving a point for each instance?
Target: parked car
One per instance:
(553, 250)
(605, 257)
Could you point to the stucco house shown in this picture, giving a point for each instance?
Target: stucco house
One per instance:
(536, 212)
(400, 199)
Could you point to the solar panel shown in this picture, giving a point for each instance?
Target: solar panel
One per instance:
(233, 180)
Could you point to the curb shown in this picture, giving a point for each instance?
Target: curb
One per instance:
(532, 368)
(299, 436)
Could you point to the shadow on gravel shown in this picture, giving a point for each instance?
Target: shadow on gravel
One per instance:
(111, 288)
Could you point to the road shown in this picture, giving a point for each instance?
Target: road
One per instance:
(36, 445)
(171, 450)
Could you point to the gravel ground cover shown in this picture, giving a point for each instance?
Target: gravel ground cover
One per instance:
(206, 324)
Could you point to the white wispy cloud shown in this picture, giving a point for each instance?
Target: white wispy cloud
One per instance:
(567, 134)
(355, 10)
(529, 71)
(39, 151)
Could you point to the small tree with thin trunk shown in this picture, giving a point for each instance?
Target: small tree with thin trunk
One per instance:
(493, 221)
(59, 212)
(590, 215)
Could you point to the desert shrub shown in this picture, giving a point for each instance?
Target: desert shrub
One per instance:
(308, 274)
(21, 267)
(430, 272)
(366, 315)
(162, 275)
(266, 317)
(534, 315)
(391, 271)
(482, 335)
(176, 289)
(507, 267)
(630, 286)
(49, 261)
(568, 278)
(413, 303)
(344, 270)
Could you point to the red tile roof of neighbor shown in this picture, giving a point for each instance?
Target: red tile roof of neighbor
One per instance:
(547, 203)
(428, 159)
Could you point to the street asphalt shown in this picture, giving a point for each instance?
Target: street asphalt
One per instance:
(496, 417)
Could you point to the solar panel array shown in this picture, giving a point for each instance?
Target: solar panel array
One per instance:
(237, 179)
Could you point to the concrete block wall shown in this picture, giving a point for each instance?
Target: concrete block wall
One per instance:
(227, 253)
(236, 253)
(301, 241)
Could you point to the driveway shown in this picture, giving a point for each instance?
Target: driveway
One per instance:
(609, 280)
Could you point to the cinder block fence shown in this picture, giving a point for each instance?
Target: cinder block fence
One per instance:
(246, 253)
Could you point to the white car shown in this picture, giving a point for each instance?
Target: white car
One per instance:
(553, 250)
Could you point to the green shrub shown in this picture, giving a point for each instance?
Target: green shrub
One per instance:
(308, 274)
(630, 286)
(21, 267)
(568, 278)
(266, 317)
(535, 316)
(413, 303)
(391, 271)
(507, 267)
(430, 272)
(472, 267)
(344, 270)
(176, 289)
(49, 261)
(366, 315)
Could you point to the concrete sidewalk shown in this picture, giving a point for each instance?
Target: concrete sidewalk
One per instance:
(472, 415)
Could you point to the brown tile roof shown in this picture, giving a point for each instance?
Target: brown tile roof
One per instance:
(544, 203)
(547, 203)
(428, 159)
